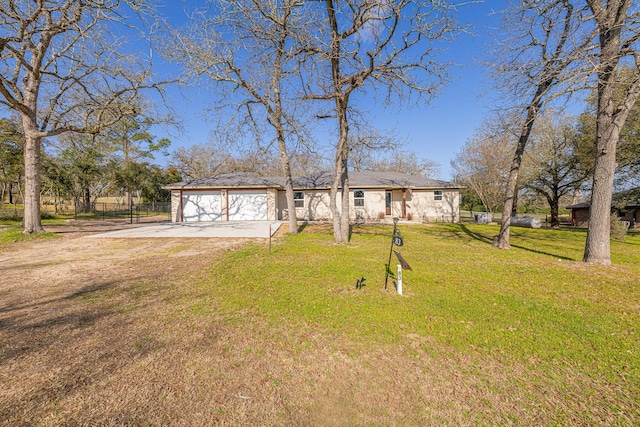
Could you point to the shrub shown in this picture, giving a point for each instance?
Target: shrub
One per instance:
(409, 217)
(10, 214)
(619, 229)
(381, 215)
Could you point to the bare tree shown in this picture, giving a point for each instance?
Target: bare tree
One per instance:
(538, 63)
(198, 161)
(483, 163)
(62, 69)
(251, 50)
(409, 162)
(368, 145)
(373, 150)
(375, 43)
(618, 25)
(557, 160)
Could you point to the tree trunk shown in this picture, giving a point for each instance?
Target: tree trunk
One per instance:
(598, 247)
(288, 186)
(345, 229)
(554, 204)
(340, 186)
(87, 200)
(32, 222)
(611, 117)
(341, 179)
(512, 182)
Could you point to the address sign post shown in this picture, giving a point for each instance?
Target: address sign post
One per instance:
(396, 240)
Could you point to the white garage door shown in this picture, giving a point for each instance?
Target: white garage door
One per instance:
(201, 206)
(248, 205)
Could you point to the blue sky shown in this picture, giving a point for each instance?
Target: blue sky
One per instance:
(437, 131)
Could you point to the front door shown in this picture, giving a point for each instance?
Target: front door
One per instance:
(387, 202)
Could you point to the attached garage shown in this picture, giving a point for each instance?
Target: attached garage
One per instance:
(201, 206)
(247, 205)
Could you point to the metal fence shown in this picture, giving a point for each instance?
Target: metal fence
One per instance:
(136, 212)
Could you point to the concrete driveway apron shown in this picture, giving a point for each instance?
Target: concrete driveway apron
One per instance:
(225, 229)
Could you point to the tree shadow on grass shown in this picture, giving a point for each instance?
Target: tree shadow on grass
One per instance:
(476, 236)
(489, 240)
(302, 226)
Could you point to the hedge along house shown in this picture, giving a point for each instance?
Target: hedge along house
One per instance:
(372, 196)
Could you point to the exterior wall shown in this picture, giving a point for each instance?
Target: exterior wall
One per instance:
(316, 205)
(281, 204)
(176, 205)
(580, 217)
(374, 205)
(423, 206)
(631, 214)
(272, 204)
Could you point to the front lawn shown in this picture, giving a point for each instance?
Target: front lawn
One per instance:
(536, 305)
(224, 332)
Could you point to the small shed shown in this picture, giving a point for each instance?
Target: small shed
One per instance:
(628, 212)
(580, 214)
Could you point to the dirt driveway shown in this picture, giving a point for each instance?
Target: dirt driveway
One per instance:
(87, 334)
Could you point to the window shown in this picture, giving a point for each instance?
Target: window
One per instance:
(437, 195)
(358, 198)
(298, 199)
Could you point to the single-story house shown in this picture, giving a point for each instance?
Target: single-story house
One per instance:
(580, 213)
(372, 196)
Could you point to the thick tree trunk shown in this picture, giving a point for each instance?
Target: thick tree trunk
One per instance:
(598, 247)
(611, 117)
(32, 222)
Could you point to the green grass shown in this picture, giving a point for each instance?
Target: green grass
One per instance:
(537, 302)
(12, 233)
